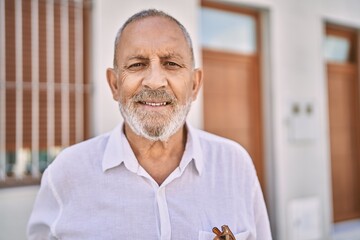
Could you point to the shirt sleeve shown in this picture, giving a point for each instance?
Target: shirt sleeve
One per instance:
(263, 231)
(45, 211)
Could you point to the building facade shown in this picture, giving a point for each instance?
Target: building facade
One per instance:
(302, 67)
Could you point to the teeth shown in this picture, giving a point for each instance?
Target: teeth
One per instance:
(155, 104)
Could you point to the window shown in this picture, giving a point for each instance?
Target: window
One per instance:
(336, 49)
(227, 31)
(44, 81)
(339, 45)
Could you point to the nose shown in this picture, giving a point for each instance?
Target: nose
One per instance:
(155, 77)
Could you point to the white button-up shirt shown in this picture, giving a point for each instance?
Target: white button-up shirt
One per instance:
(98, 190)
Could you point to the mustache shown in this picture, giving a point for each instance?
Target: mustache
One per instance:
(154, 95)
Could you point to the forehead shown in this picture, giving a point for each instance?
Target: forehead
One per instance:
(153, 35)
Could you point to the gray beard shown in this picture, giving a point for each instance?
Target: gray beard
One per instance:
(153, 125)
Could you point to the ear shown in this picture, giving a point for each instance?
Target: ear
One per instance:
(197, 82)
(113, 83)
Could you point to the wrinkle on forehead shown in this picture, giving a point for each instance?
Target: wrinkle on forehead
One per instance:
(154, 36)
(142, 55)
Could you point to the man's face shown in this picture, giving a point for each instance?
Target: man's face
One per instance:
(154, 82)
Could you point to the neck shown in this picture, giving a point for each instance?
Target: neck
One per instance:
(158, 158)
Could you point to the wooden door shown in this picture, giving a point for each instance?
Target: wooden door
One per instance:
(344, 142)
(344, 120)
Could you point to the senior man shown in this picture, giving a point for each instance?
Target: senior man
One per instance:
(155, 176)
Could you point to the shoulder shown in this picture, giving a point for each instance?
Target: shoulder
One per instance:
(74, 165)
(224, 155)
(212, 142)
(81, 154)
(227, 160)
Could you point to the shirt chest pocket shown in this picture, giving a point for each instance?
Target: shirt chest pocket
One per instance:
(210, 236)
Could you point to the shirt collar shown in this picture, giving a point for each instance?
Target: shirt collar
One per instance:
(193, 151)
(118, 150)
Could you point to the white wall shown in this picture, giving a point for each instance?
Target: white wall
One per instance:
(15, 208)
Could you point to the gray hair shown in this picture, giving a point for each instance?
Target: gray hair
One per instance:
(151, 13)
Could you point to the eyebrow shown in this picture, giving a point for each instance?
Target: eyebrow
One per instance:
(174, 57)
(171, 55)
(137, 57)
(162, 56)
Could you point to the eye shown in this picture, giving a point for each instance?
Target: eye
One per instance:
(172, 65)
(136, 66)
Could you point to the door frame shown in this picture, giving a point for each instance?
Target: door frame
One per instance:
(343, 31)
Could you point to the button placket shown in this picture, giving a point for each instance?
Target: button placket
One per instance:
(164, 217)
(165, 228)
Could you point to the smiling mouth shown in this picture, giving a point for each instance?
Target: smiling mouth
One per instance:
(155, 104)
